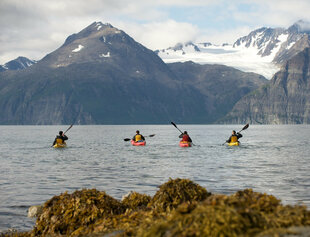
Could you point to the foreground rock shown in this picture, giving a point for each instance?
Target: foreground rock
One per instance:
(179, 208)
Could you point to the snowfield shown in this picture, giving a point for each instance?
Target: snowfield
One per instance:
(242, 58)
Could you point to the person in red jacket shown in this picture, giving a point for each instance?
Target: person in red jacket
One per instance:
(185, 137)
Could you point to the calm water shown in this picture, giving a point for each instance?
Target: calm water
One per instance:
(272, 159)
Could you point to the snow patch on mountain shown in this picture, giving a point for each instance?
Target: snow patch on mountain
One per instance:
(262, 51)
(242, 58)
(105, 55)
(99, 25)
(79, 48)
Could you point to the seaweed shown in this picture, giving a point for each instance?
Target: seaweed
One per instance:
(174, 192)
(179, 208)
(70, 213)
(136, 200)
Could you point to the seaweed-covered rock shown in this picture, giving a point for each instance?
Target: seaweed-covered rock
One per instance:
(179, 208)
(136, 200)
(174, 192)
(245, 213)
(70, 214)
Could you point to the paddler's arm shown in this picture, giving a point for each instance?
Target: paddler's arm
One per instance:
(64, 137)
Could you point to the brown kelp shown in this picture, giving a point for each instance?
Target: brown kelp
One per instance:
(69, 214)
(179, 208)
(176, 191)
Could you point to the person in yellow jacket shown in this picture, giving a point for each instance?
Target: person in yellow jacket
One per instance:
(60, 139)
(138, 137)
(234, 137)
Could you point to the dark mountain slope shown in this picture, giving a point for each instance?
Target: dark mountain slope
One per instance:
(220, 85)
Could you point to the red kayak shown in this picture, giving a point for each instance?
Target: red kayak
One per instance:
(185, 144)
(138, 143)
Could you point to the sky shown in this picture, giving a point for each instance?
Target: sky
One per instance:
(34, 28)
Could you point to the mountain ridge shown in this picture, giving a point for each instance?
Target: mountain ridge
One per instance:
(263, 50)
(130, 84)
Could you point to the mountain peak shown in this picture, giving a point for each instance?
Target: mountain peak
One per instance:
(300, 26)
(97, 42)
(93, 29)
(17, 64)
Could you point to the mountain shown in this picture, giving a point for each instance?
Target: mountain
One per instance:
(17, 64)
(221, 86)
(262, 51)
(103, 76)
(284, 100)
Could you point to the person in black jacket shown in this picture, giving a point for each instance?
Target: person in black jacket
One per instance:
(60, 139)
(234, 137)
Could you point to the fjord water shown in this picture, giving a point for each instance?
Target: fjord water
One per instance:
(272, 159)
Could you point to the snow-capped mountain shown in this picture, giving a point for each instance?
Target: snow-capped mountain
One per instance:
(17, 64)
(262, 51)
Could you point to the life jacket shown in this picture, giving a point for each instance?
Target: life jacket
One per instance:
(185, 138)
(233, 138)
(59, 141)
(138, 137)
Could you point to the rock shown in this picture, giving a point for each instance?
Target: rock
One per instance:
(35, 211)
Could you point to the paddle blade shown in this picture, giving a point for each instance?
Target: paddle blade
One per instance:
(174, 124)
(152, 135)
(127, 139)
(245, 127)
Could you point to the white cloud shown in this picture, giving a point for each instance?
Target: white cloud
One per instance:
(163, 34)
(34, 28)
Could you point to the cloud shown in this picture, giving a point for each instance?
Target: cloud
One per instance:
(158, 35)
(34, 28)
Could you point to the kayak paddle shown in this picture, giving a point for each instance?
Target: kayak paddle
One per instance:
(244, 128)
(68, 128)
(128, 139)
(176, 127)
(179, 130)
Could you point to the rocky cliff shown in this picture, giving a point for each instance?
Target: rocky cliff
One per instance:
(285, 100)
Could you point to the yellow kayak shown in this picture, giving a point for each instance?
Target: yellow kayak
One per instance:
(58, 145)
(233, 144)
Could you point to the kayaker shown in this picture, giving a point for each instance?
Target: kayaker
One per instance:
(60, 139)
(234, 137)
(185, 137)
(138, 137)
